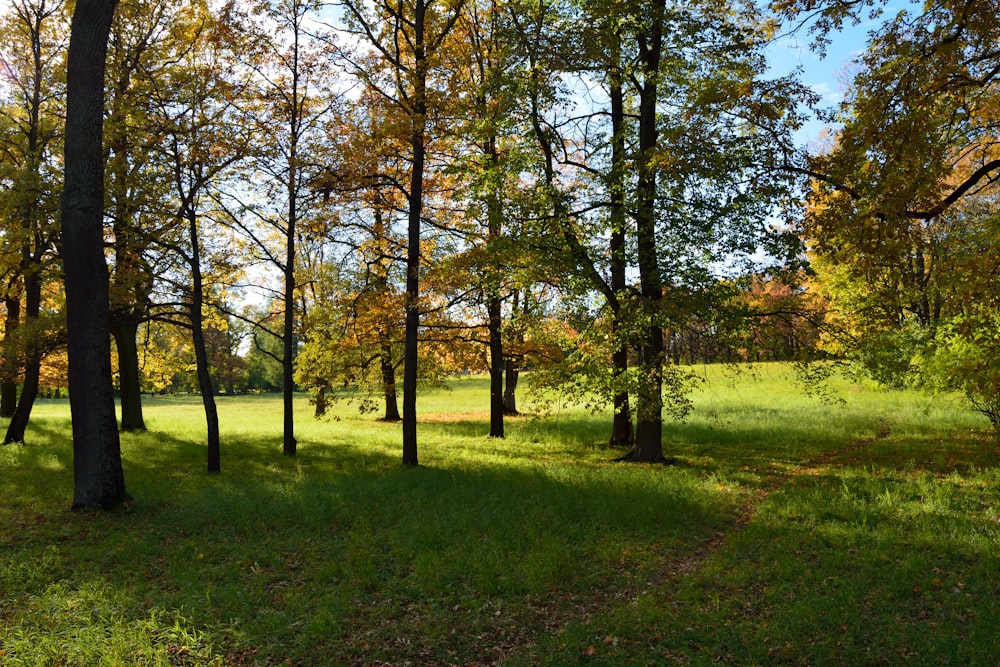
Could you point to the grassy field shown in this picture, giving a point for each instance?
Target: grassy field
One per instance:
(791, 531)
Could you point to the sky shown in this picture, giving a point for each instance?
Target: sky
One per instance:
(828, 76)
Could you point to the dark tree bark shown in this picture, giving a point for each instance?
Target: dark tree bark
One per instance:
(125, 332)
(648, 446)
(321, 402)
(11, 367)
(622, 433)
(8, 399)
(289, 444)
(494, 304)
(496, 368)
(418, 132)
(32, 361)
(512, 363)
(389, 385)
(200, 349)
(510, 386)
(99, 481)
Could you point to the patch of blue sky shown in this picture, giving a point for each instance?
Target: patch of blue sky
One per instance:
(829, 74)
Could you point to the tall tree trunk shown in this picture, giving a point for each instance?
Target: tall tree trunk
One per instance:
(622, 433)
(201, 350)
(648, 445)
(496, 368)
(289, 445)
(11, 365)
(418, 127)
(8, 399)
(33, 241)
(98, 479)
(32, 360)
(389, 385)
(380, 283)
(125, 332)
(494, 304)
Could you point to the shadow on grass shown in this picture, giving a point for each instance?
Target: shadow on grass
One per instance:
(337, 556)
(856, 565)
(533, 549)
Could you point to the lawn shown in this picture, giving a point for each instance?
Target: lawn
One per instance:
(792, 530)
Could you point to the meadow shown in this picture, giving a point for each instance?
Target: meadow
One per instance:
(791, 530)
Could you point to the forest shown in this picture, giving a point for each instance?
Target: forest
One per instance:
(507, 332)
(280, 195)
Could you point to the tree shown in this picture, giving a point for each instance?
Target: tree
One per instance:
(98, 477)
(356, 329)
(201, 145)
(491, 157)
(289, 55)
(668, 172)
(900, 213)
(31, 55)
(134, 183)
(408, 40)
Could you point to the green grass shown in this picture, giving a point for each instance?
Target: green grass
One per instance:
(791, 531)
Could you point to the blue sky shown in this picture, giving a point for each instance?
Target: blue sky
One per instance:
(828, 76)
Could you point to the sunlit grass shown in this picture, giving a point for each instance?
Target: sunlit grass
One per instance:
(789, 531)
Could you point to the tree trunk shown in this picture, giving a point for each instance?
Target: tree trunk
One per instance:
(34, 239)
(389, 386)
(418, 121)
(513, 363)
(622, 433)
(201, 350)
(289, 446)
(648, 446)
(496, 368)
(32, 361)
(130, 383)
(207, 392)
(97, 467)
(29, 392)
(494, 304)
(510, 386)
(321, 402)
(8, 399)
(380, 283)
(11, 367)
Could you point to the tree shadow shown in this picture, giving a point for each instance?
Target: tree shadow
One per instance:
(307, 557)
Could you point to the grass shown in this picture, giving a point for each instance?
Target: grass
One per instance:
(791, 531)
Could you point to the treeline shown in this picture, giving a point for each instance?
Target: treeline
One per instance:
(374, 194)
